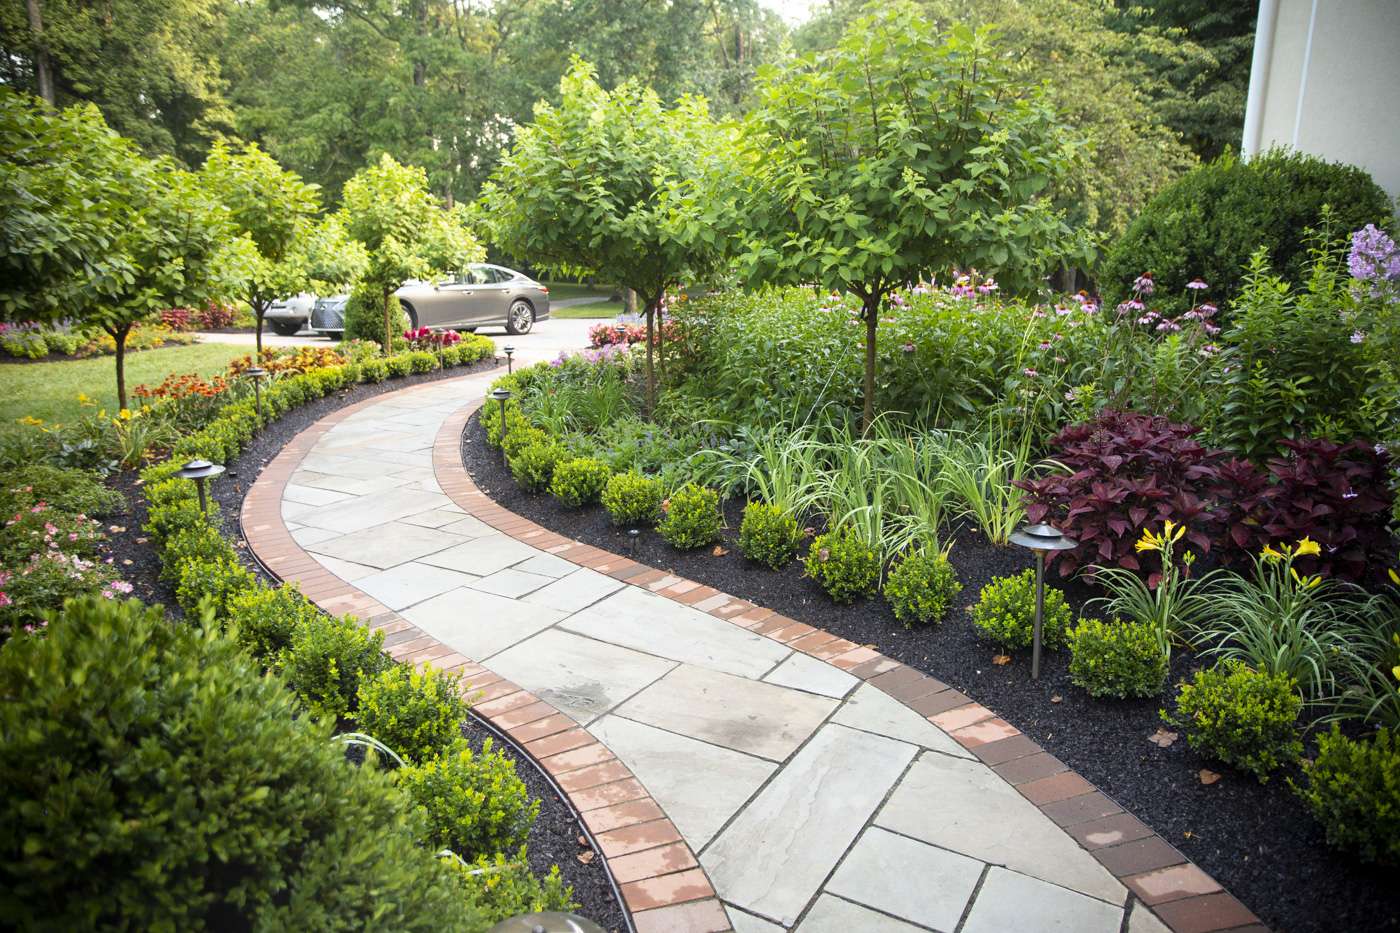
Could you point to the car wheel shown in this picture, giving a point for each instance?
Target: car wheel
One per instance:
(286, 328)
(520, 318)
(412, 316)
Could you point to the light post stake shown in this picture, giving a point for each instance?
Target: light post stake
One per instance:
(1042, 539)
(502, 396)
(200, 471)
(257, 374)
(510, 353)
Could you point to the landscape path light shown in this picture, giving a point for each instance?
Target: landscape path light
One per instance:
(257, 374)
(502, 396)
(201, 471)
(510, 352)
(1043, 540)
(549, 921)
(632, 535)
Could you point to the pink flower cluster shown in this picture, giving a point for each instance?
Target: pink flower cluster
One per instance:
(425, 338)
(627, 333)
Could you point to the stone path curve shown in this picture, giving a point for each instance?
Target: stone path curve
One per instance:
(737, 768)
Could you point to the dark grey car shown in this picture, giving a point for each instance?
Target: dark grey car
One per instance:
(482, 295)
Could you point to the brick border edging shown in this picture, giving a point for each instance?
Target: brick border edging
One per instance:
(661, 883)
(1182, 896)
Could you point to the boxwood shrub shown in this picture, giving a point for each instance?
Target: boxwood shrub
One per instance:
(579, 480)
(472, 803)
(633, 499)
(921, 587)
(1353, 788)
(1005, 612)
(328, 658)
(1241, 716)
(416, 712)
(769, 535)
(156, 780)
(1118, 659)
(843, 565)
(691, 517)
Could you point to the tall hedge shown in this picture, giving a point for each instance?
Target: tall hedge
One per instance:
(1209, 222)
(155, 780)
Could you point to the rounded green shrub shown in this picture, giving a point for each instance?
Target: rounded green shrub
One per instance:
(1118, 659)
(416, 712)
(500, 886)
(921, 587)
(156, 780)
(768, 535)
(1241, 716)
(1210, 221)
(633, 499)
(422, 361)
(473, 804)
(400, 365)
(691, 517)
(843, 565)
(75, 491)
(1352, 787)
(327, 659)
(533, 465)
(579, 481)
(262, 619)
(374, 371)
(364, 316)
(1005, 612)
(521, 436)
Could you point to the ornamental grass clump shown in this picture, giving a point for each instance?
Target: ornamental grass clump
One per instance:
(844, 565)
(1005, 612)
(579, 481)
(1118, 659)
(415, 712)
(633, 499)
(692, 518)
(1241, 716)
(1352, 787)
(472, 803)
(769, 535)
(921, 586)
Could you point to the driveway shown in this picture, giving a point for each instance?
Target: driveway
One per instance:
(544, 342)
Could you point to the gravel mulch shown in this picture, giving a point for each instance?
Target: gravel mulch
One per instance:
(554, 840)
(1256, 839)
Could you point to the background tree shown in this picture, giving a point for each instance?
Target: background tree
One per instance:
(898, 153)
(617, 185)
(273, 208)
(387, 208)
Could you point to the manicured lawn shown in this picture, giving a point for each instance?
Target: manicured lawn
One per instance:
(599, 309)
(49, 391)
(561, 291)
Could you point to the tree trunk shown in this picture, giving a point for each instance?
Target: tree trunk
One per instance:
(259, 309)
(119, 335)
(871, 311)
(629, 301)
(388, 335)
(43, 68)
(651, 371)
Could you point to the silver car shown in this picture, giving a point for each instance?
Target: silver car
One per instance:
(481, 295)
(286, 316)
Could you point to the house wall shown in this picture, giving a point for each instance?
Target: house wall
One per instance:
(1348, 82)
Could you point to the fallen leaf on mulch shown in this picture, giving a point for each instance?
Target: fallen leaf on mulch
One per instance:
(585, 857)
(1001, 659)
(1208, 776)
(1163, 738)
(116, 529)
(720, 550)
(1057, 699)
(142, 540)
(126, 562)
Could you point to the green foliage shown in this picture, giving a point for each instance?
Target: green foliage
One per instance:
(1206, 224)
(520, 437)
(262, 619)
(843, 564)
(769, 535)
(143, 759)
(416, 712)
(374, 370)
(579, 481)
(1241, 716)
(328, 659)
(472, 803)
(399, 366)
(1352, 787)
(364, 315)
(73, 491)
(690, 517)
(1005, 612)
(501, 886)
(1118, 659)
(633, 499)
(533, 465)
(216, 579)
(921, 587)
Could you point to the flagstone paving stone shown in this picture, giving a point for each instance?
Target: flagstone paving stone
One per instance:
(722, 761)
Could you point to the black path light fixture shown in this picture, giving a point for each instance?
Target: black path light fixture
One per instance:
(549, 921)
(1043, 540)
(502, 396)
(257, 374)
(201, 471)
(510, 353)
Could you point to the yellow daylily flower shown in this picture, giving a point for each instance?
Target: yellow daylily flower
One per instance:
(1306, 583)
(83, 399)
(1148, 541)
(1270, 554)
(1394, 577)
(31, 421)
(1167, 531)
(1308, 546)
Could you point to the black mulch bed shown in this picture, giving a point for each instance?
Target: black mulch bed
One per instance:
(554, 839)
(1256, 839)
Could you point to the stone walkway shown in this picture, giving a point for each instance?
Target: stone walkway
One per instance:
(813, 784)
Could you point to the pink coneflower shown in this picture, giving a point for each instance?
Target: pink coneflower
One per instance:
(1143, 284)
(1169, 327)
(908, 348)
(1210, 328)
(1197, 285)
(1358, 336)
(1090, 308)
(1209, 349)
(1045, 345)
(1030, 372)
(1206, 308)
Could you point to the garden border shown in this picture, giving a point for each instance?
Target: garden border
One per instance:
(662, 884)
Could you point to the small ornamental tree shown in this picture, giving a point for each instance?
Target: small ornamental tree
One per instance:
(273, 208)
(900, 152)
(615, 184)
(109, 237)
(387, 208)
